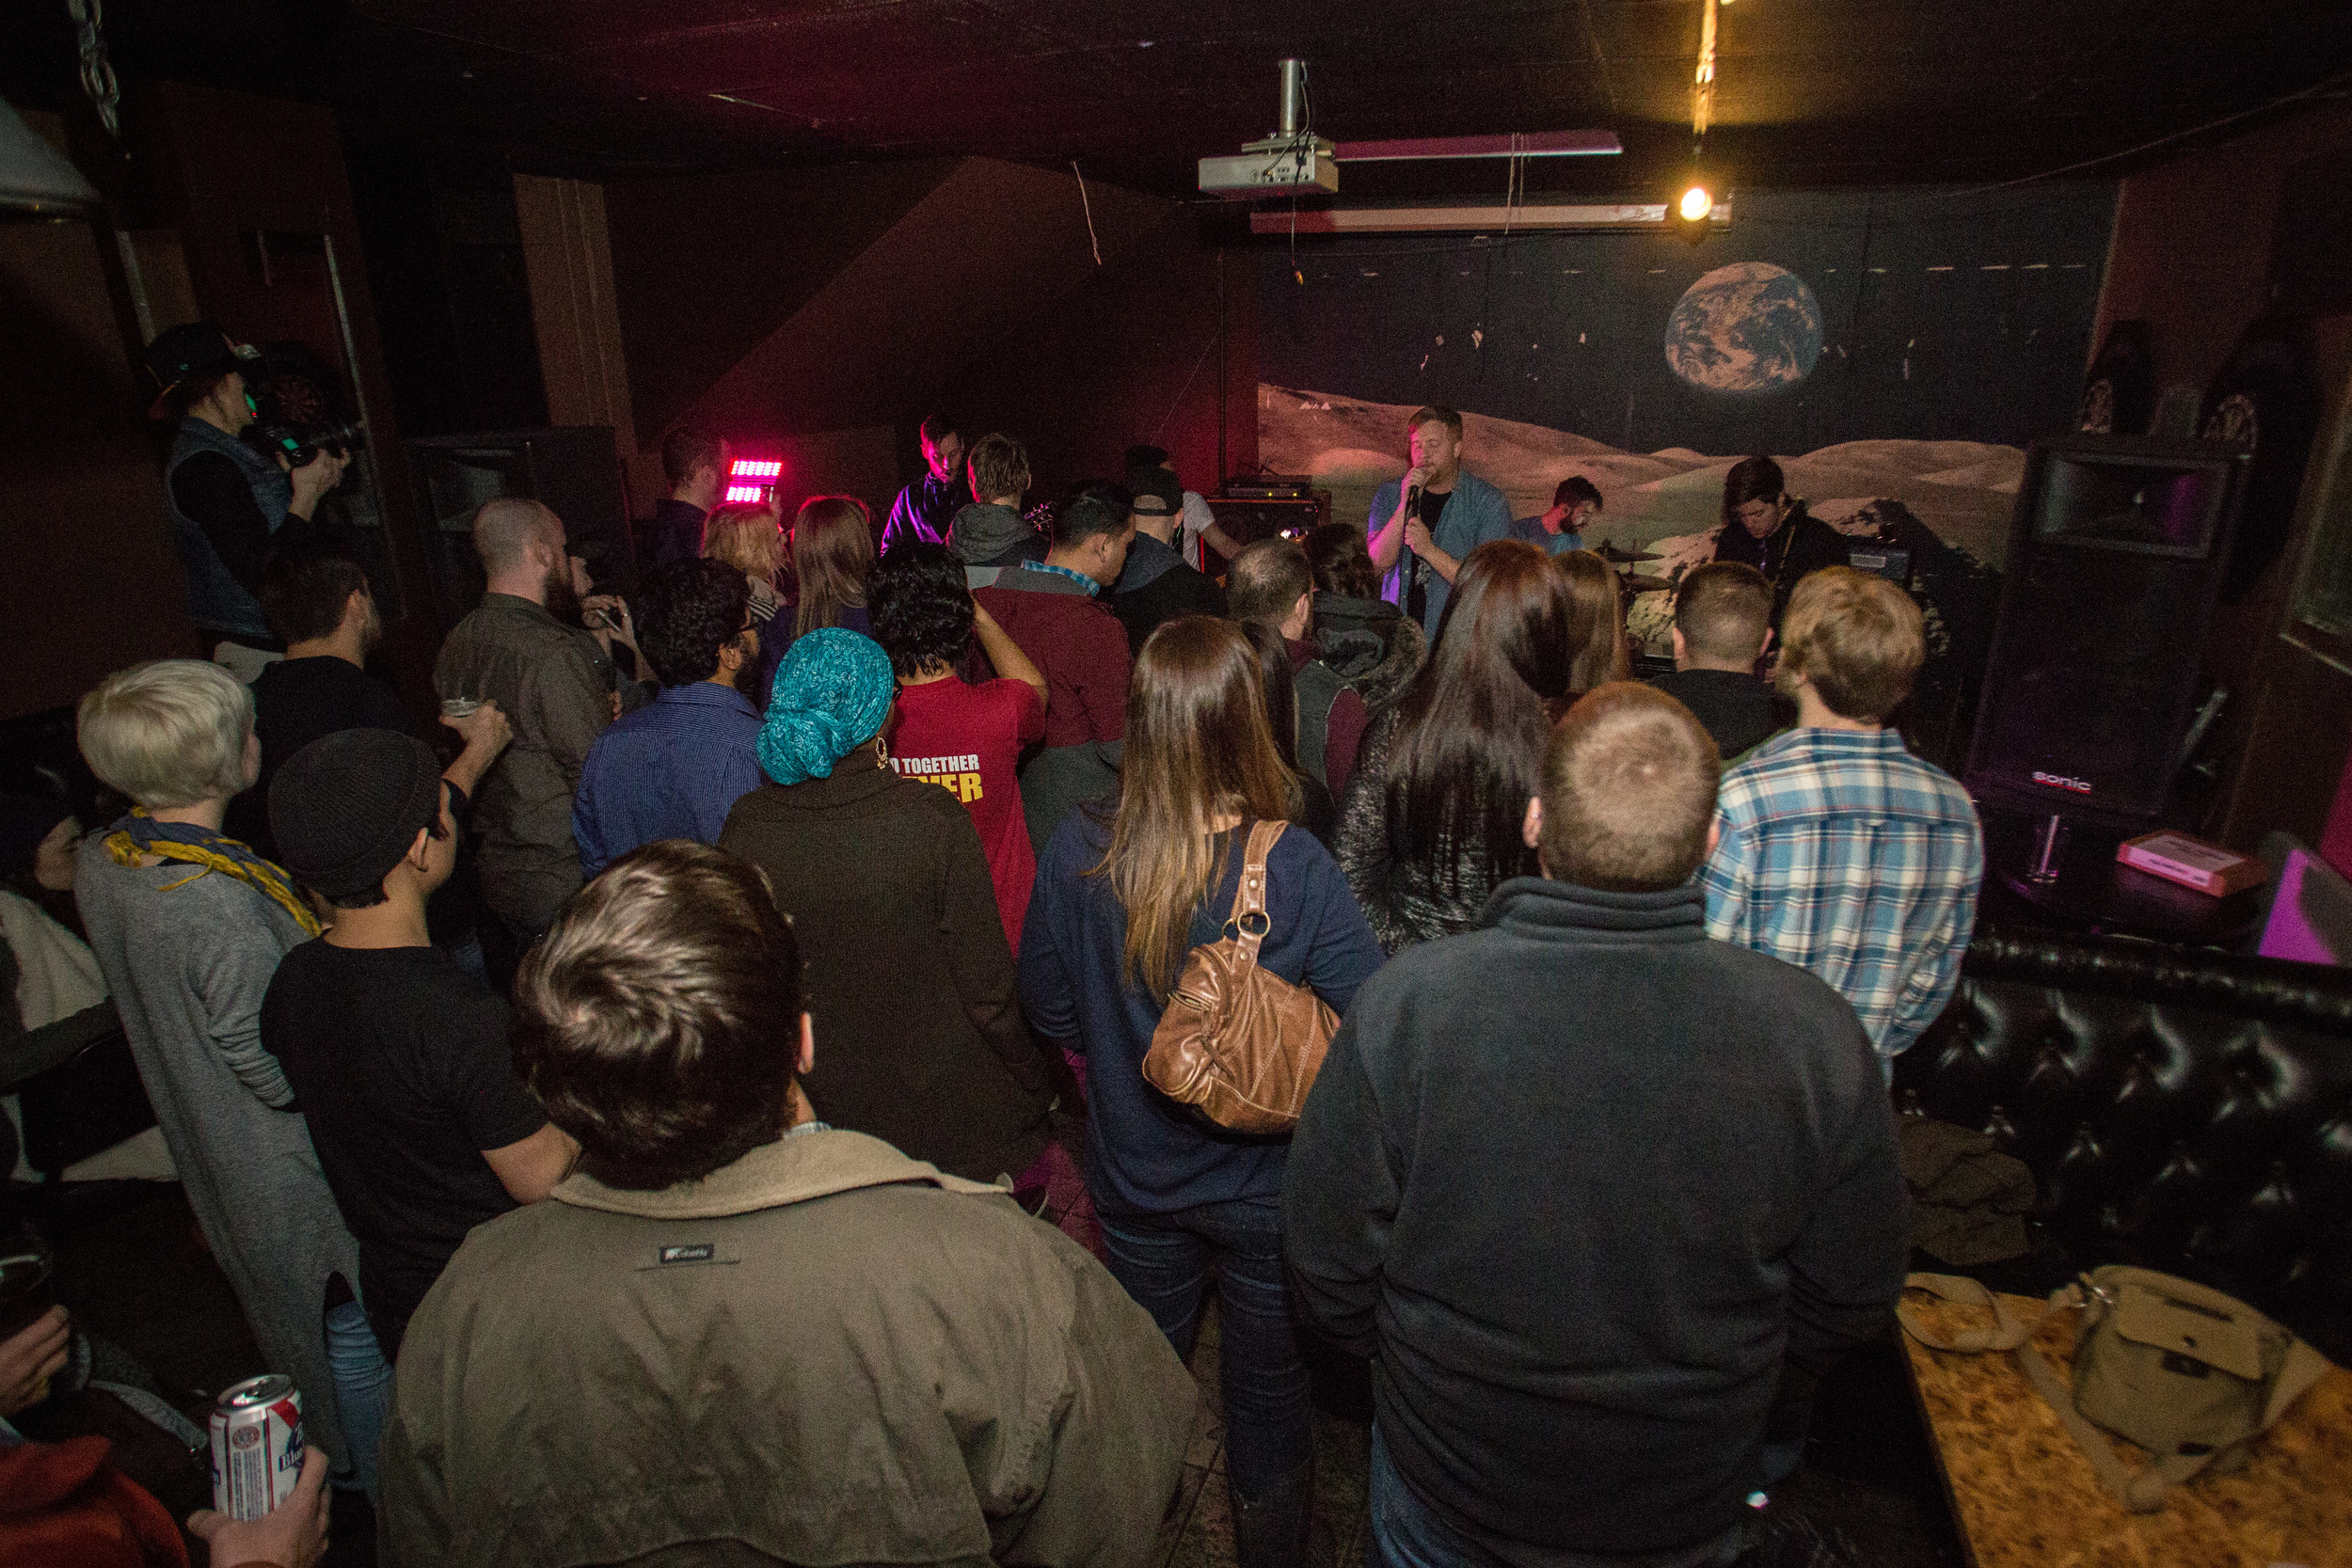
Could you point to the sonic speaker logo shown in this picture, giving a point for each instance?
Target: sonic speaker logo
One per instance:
(2060, 781)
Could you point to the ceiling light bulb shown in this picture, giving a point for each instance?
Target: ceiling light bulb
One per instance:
(1696, 204)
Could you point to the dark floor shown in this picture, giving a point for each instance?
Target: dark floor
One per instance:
(134, 1270)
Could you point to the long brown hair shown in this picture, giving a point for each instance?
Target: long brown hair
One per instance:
(832, 553)
(1197, 749)
(1470, 738)
(1596, 622)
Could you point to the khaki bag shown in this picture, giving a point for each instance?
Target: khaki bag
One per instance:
(2187, 1373)
(1239, 1043)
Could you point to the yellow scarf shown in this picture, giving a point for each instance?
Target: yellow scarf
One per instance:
(142, 834)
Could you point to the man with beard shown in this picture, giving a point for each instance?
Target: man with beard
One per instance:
(321, 605)
(518, 651)
(926, 509)
(675, 768)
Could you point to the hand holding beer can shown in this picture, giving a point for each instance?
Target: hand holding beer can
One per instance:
(257, 1445)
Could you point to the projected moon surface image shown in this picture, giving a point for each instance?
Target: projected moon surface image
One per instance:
(1746, 328)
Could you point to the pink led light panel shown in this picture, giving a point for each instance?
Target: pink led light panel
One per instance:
(746, 491)
(754, 467)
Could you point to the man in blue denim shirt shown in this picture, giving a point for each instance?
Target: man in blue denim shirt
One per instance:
(230, 505)
(1422, 525)
(675, 768)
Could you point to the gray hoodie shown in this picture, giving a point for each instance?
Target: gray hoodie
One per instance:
(989, 538)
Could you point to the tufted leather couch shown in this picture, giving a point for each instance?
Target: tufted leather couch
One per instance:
(2183, 1109)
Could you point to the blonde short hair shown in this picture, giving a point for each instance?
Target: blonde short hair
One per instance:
(1859, 639)
(748, 537)
(169, 733)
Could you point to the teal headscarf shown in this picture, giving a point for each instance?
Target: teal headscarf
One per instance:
(833, 692)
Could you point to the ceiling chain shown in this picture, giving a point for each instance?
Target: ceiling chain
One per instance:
(97, 72)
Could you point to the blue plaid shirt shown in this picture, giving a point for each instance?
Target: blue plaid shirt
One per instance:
(1844, 854)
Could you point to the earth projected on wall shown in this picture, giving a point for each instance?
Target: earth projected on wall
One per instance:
(1747, 327)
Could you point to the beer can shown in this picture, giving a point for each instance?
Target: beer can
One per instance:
(257, 1445)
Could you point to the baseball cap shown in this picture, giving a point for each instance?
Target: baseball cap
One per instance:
(181, 352)
(346, 807)
(1157, 492)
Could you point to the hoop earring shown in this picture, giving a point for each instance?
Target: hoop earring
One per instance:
(881, 752)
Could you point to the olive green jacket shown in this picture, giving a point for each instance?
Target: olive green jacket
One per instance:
(825, 1352)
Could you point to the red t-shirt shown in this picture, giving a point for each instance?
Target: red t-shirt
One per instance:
(966, 739)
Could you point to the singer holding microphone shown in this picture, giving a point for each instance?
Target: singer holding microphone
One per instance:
(1424, 524)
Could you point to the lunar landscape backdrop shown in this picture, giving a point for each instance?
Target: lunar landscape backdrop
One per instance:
(1666, 502)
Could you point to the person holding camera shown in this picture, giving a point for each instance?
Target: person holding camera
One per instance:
(230, 505)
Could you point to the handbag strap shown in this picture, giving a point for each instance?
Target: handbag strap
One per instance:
(2007, 1333)
(1250, 893)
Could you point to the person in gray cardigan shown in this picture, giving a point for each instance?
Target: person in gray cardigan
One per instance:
(188, 925)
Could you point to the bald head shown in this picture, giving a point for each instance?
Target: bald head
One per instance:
(506, 529)
(1629, 792)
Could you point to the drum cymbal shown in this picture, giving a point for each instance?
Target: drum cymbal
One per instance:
(1635, 582)
(1616, 557)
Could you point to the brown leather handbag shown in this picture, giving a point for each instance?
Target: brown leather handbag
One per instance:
(1240, 1042)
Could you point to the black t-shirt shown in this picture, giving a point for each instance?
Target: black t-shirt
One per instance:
(297, 701)
(399, 1060)
(1735, 709)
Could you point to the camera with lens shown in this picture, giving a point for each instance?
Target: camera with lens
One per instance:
(300, 405)
(299, 443)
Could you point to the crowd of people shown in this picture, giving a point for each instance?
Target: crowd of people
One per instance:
(762, 1167)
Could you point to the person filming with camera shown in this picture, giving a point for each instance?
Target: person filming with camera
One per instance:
(232, 504)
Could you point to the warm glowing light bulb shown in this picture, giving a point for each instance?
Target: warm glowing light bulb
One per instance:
(1696, 204)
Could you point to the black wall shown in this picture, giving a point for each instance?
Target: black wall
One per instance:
(1943, 316)
(445, 258)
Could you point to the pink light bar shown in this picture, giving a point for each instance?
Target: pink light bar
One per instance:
(746, 491)
(754, 467)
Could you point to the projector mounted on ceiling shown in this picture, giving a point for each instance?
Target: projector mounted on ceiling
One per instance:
(1292, 162)
(1295, 162)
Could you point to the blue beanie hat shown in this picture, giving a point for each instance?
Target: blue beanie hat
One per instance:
(831, 693)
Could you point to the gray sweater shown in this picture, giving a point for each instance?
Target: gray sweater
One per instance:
(188, 966)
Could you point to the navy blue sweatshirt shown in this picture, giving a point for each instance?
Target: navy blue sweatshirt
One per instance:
(1145, 1153)
(1588, 1185)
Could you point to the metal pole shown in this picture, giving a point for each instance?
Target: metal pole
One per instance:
(1222, 469)
(358, 385)
(1294, 95)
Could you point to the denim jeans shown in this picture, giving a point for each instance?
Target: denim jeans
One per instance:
(1407, 1533)
(1164, 1261)
(363, 1387)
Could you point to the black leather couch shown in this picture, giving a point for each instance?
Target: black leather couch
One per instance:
(2181, 1108)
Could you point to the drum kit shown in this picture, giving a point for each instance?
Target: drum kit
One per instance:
(1630, 583)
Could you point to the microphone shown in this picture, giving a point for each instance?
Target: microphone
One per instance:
(1412, 502)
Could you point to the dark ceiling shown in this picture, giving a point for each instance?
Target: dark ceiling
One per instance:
(1810, 93)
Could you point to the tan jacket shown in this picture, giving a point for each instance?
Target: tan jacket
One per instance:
(825, 1352)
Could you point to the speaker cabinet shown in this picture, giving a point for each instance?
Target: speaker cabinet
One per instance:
(2116, 555)
(1250, 518)
(574, 471)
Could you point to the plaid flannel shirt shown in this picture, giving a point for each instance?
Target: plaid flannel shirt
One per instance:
(1844, 854)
